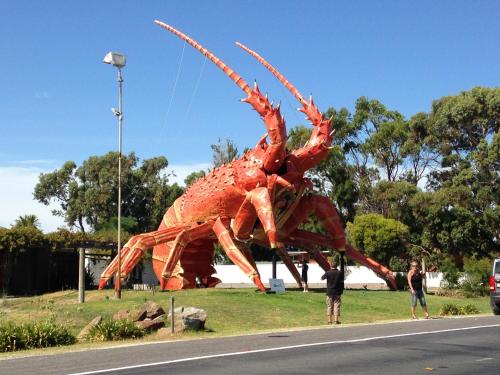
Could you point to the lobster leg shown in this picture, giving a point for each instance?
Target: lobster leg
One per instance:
(247, 253)
(181, 241)
(134, 250)
(309, 240)
(379, 269)
(311, 249)
(239, 257)
(256, 205)
(289, 264)
(112, 267)
(326, 212)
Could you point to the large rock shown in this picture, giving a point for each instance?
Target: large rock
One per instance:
(85, 331)
(153, 309)
(132, 315)
(140, 314)
(152, 324)
(188, 318)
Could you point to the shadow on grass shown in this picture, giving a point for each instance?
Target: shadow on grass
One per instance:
(315, 290)
(323, 290)
(369, 290)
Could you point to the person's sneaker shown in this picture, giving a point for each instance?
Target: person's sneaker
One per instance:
(337, 322)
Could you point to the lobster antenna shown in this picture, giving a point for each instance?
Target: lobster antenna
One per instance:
(235, 77)
(277, 74)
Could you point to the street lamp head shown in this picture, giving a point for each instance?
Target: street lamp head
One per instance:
(115, 59)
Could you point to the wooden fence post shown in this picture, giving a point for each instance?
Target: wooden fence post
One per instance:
(172, 316)
(81, 276)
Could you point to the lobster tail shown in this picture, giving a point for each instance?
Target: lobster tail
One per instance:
(235, 77)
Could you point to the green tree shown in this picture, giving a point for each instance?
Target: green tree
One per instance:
(384, 132)
(477, 272)
(419, 149)
(450, 224)
(461, 216)
(459, 124)
(27, 221)
(193, 177)
(378, 237)
(223, 152)
(20, 238)
(87, 194)
(462, 121)
(456, 146)
(392, 199)
(127, 224)
(486, 185)
(297, 137)
(60, 186)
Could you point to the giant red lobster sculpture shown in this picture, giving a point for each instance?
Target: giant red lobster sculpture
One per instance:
(262, 197)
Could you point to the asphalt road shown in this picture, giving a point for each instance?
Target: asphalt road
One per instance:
(440, 346)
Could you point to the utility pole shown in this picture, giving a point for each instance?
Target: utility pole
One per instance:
(118, 61)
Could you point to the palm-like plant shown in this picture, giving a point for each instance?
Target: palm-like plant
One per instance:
(27, 221)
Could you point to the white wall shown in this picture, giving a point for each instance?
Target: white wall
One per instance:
(355, 275)
(231, 274)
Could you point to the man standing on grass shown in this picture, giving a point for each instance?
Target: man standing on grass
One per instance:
(334, 289)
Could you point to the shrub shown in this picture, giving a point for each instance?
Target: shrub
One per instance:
(468, 310)
(398, 264)
(46, 334)
(378, 237)
(33, 335)
(110, 330)
(10, 338)
(451, 274)
(452, 309)
(475, 283)
(449, 309)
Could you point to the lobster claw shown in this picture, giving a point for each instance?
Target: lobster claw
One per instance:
(312, 112)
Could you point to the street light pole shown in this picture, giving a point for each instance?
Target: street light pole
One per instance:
(119, 114)
(118, 61)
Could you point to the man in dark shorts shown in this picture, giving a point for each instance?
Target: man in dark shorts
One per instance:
(334, 289)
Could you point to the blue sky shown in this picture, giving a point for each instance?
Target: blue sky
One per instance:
(56, 92)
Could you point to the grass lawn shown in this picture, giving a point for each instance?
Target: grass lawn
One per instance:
(230, 311)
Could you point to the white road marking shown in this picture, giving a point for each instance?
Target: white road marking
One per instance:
(189, 359)
(484, 359)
